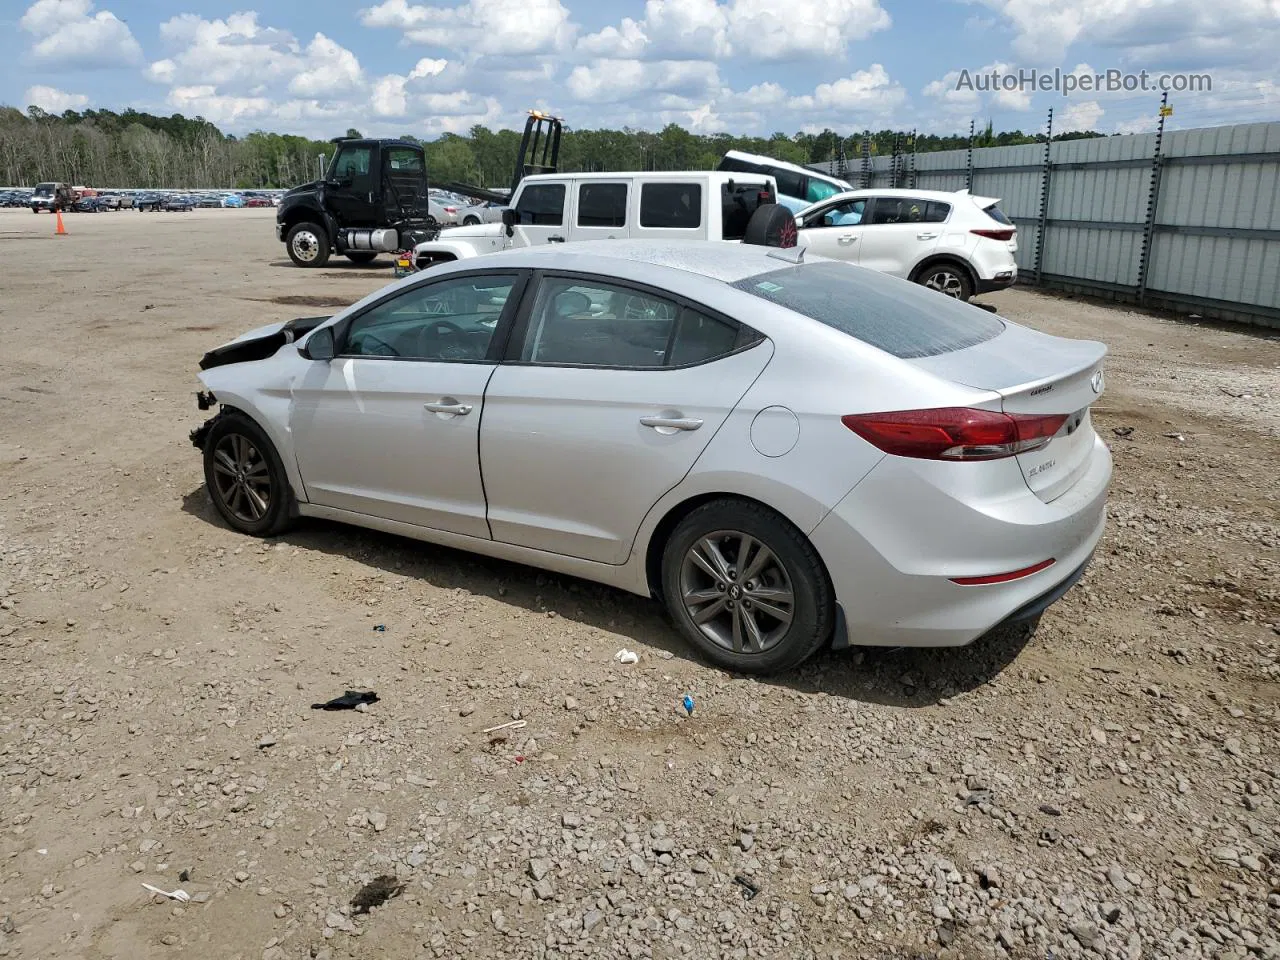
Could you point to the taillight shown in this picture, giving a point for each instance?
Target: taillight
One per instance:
(450, 209)
(1006, 234)
(955, 433)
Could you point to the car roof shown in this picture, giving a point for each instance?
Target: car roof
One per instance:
(950, 196)
(727, 262)
(716, 175)
(783, 165)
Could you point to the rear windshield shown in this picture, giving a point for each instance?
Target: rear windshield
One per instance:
(900, 318)
(996, 214)
(738, 201)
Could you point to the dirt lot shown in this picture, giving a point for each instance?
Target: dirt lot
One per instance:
(1108, 786)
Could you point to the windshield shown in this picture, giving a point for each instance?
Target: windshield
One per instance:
(900, 318)
(44, 190)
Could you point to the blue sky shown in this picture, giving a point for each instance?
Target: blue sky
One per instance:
(744, 66)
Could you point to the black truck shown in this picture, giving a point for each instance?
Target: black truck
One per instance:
(373, 199)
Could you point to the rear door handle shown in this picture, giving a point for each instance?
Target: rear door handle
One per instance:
(671, 424)
(926, 236)
(556, 239)
(846, 240)
(448, 405)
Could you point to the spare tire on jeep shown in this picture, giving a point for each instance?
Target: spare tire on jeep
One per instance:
(772, 225)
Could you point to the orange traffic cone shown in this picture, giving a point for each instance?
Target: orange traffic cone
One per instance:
(62, 230)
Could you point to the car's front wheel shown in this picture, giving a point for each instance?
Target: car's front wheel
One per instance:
(244, 476)
(746, 587)
(471, 221)
(308, 245)
(948, 279)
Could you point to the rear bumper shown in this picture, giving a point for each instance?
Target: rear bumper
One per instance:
(999, 282)
(892, 545)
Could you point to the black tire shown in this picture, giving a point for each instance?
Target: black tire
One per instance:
(949, 279)
(471, 221)
(732, 526)
(361, 256)
(245, 478)
(772, 225)
(308, 245)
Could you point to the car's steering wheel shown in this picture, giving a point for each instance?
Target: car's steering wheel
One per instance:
(430, 332)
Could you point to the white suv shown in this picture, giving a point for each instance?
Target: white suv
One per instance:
(955, 243)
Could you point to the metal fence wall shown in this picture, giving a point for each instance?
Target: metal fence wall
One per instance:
(1188, 221)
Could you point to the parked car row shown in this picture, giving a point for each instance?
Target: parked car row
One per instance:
(55, 196)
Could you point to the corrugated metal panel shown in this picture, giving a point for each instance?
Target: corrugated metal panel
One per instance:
(1220, 268)
(1110, 256)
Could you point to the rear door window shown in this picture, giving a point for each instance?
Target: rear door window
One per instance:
(541, 204)
(675, 206)
(602, 205)
(790, 183)
(902, 319)
(937, 212)
(819, 190)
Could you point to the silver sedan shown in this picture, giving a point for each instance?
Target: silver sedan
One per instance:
(790, 452)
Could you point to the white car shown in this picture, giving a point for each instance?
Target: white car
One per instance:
(955, 243)
(790, 451)
(443, 209)
(478, 213)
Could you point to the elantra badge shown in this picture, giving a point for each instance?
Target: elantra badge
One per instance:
(1096, 381)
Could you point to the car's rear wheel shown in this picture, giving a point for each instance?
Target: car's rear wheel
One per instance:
(308, 245)
(361, 256)
(245, 478)
(948, 279)
(746, 587)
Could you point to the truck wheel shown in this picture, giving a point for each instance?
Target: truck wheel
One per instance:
(772, 225)
(308, 245)
(361, 256)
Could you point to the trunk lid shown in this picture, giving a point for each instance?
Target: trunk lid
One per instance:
(1036, 373)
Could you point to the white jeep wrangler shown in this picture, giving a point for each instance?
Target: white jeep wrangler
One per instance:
(563, 207)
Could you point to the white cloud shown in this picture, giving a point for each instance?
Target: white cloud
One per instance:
(1083, 115)
(864, 92)
(330, 69)
(68, 33)
(761, 30)
(613, 81)
(495, 27)
(53, 100)
(1045, 29)
(980, 90)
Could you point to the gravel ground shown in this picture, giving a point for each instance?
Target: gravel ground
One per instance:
(1107, 786)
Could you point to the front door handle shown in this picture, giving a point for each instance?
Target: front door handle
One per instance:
(926, 236)
(671, 424)
(846, 240)
(555, 239)
(448, 405)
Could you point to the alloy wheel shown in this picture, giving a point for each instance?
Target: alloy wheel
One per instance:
(242, 478)
(737, 592)
(944, 281)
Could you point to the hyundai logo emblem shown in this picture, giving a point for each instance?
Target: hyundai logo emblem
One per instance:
(1096, 381)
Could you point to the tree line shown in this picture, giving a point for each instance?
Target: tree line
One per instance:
(133, 149)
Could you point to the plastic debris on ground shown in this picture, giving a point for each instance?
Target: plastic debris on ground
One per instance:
(348, 701)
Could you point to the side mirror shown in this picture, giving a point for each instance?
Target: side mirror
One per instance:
(318, 346)
(509, 220)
